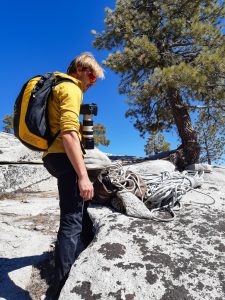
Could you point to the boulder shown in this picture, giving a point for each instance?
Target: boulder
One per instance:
(13, 151)
(96, 159)
(21, 169)
(133, 258)
(151, 167)
(25, 178)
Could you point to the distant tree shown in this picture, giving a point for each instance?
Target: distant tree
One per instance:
(171, 58)
(155, 144)
(99, 131)
(211, 136)
(100, 135)
(8, 121)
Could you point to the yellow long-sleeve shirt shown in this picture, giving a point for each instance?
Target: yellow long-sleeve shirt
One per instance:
(64, 110)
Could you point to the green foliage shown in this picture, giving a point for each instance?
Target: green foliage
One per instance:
(8, 121)
(100, 135)
(211, 136)
(155, 144)
(164, 48)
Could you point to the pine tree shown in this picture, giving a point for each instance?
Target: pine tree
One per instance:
(211, 136)
(100, 135)
(8, 121)
(171, 58)
(155, 144)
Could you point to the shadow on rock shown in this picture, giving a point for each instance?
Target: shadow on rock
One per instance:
(8, 288)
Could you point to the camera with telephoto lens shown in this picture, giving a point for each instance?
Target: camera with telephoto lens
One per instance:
(87, 110)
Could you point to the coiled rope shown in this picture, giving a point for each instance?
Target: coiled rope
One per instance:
(123, 180)
(162, 192)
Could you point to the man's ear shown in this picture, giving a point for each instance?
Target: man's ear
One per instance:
(77, 73)
(79, 70)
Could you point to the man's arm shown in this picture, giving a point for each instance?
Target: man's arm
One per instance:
(72, 147)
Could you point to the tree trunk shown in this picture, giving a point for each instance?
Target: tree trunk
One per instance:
(207, 149)
(189, 151)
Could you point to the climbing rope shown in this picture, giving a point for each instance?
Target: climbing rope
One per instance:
(124, 180)
(160, 192)
(165, 191)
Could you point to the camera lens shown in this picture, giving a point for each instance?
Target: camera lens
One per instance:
(88, 143)
(88, 139)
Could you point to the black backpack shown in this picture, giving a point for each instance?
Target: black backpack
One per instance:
(30, 121)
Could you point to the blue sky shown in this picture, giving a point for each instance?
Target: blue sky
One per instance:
(44, 36)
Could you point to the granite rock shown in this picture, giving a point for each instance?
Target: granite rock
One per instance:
(13, 151)
(132, 258)
(96, 159)
(129, 258)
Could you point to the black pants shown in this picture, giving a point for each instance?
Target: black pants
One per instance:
(76, 228)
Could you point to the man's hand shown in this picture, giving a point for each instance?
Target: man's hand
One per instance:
(72, 147)
(86, 188)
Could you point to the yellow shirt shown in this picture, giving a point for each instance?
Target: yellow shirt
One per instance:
(64, 110)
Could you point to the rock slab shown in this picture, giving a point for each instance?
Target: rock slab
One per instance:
(28, 227)
(132, 258)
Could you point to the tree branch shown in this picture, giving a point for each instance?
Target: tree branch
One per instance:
(201, 107)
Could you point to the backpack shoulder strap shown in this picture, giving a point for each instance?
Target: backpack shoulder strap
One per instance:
(61, 79)
(56, 82)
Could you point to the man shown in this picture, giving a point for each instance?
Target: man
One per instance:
(64, 160)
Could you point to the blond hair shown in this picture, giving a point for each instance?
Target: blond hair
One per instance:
(86, 60)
